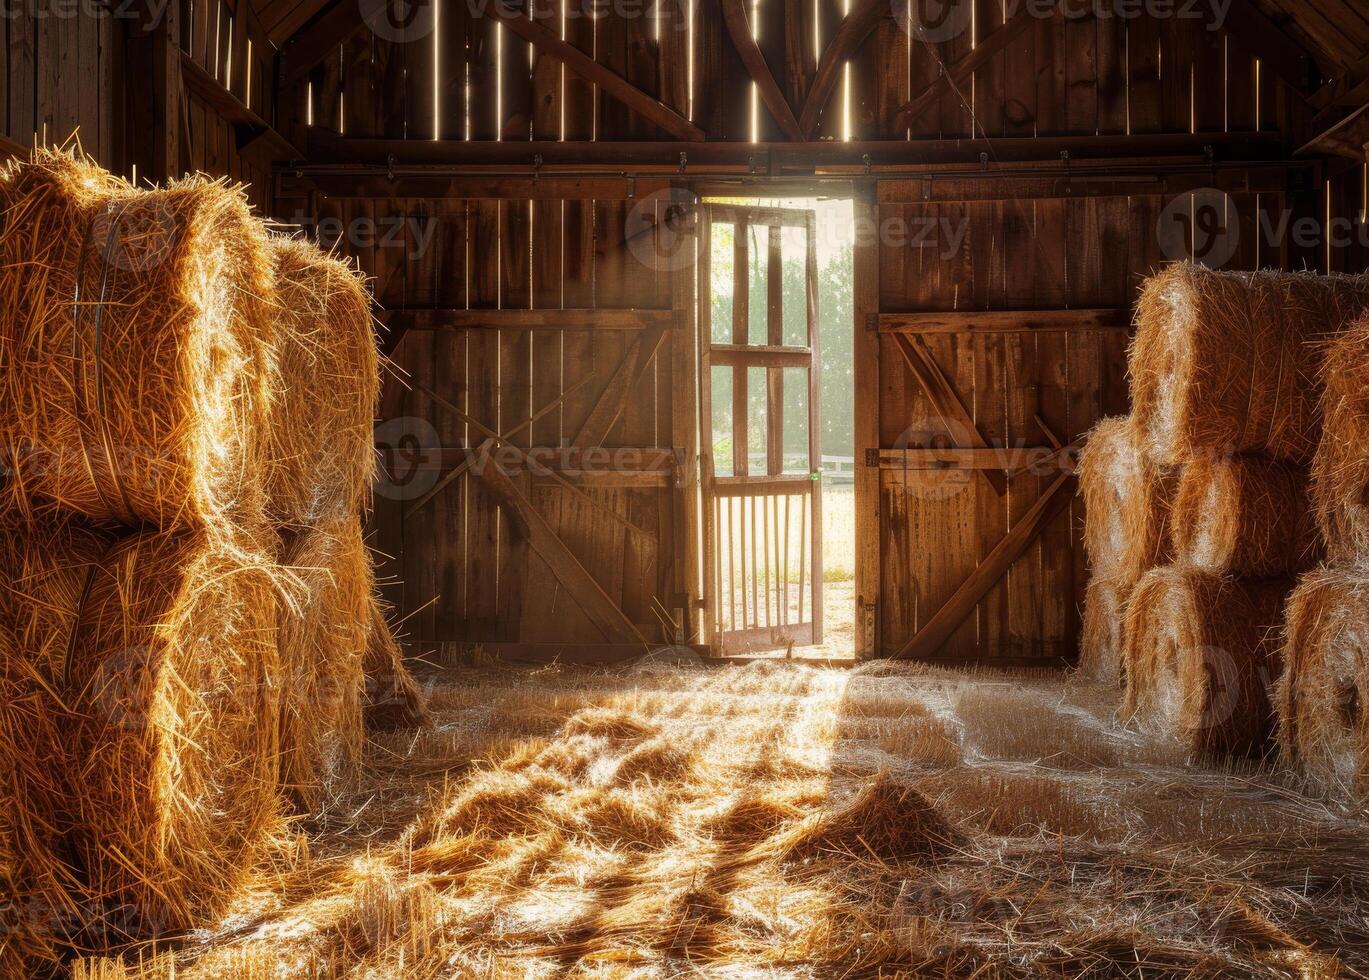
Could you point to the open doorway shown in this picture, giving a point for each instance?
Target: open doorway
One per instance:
(777, 397)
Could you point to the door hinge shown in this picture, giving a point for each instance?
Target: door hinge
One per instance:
(872, 458)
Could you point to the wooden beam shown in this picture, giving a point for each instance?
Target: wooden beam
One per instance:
(1264, 39)
(946, 401)
(247, 125)
(551, 44)
(1038, 458)
(960, 72)
(854, 29)
(318, 39)
(1340, 133)
(1349, 90)
(756, 355)
(1005, 321)
(1160, 152)
(398, 323)
(619, 388)
(547, 319)
(739, 30)
(943, 624)
(9, 148)
(610, 620)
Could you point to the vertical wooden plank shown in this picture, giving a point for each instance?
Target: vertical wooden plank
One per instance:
(1052, 75)
(483, 348)
(1056, 583)
(1112, 74)
(452, 365)
(1081, 55)
(1145, 105)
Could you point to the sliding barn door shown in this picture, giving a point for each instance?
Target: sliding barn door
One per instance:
(761, 480)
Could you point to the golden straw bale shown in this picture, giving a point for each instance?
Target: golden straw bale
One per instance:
(139, 710)
(1340, 472)
(1229, 362)
(135, 345)
(1126, 502)
(322, 452)
(1324, 692)
(1245, 515)
(324, 629)
(393, 699)
(1103, 633)
(1201, 654)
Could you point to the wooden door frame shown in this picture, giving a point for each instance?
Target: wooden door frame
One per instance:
(866, 352)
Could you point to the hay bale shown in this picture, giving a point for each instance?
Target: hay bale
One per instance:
(1340, 472)
(322, 452)
(1201, 653)
(135, 345)
(324, 629)
(1126, 502)
(1229, 362)
(393, 699)
(1323, 694)
(1103, 632)
(140, 709)
(1244, 515)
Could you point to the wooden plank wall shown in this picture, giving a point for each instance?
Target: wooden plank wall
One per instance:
(458, 572)
(62, 75)
(228, 42)
(457, 568)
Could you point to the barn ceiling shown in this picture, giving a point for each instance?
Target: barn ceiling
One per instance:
(1336, 32)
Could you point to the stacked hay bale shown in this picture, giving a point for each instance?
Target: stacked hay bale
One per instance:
(1322, 695)
(1127, 500)
(173, 444)
(1225, 374)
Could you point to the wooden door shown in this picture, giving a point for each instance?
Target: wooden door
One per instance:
(761, 477)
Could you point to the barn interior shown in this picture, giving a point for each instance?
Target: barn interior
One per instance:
(656, 488)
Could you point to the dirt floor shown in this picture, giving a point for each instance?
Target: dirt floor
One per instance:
(776, 820)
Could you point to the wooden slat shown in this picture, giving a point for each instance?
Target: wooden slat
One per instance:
(739, 30)
(619, 388)
(609, 82)
(854, 29)
(582, 587)
(948, 618)
(964, 68)
(761, 356)
(1004, 321)
(522, 319)
(1038, 459)
(946, 401)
